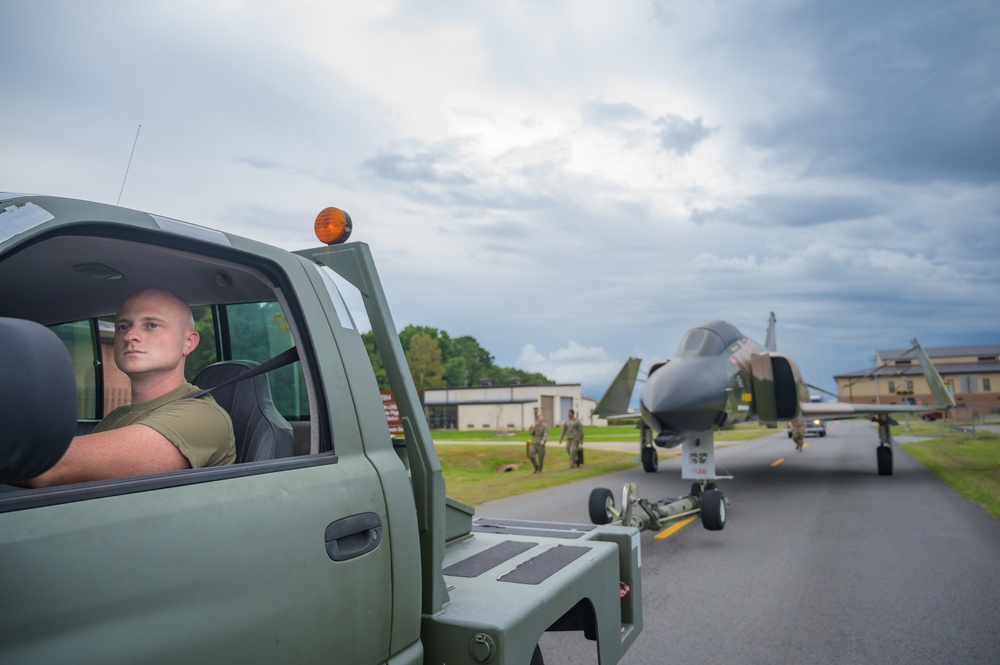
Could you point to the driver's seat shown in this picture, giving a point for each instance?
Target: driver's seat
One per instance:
(261, 432)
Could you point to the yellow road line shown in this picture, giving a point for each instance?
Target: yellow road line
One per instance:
(777, 462)
(674, 528)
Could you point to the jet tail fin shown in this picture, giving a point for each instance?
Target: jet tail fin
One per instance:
(618, 395)
(770, 342)
(940, 392)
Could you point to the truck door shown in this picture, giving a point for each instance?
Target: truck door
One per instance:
(276, 561)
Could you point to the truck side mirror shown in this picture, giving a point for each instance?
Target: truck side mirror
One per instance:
(37, 399)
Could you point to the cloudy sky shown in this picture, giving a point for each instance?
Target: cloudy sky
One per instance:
(570, 182)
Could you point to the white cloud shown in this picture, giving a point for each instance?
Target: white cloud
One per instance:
(573, 363)
(510, 165)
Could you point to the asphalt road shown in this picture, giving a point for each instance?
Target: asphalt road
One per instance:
(821, 561)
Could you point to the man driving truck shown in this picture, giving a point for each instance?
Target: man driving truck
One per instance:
(159, 430)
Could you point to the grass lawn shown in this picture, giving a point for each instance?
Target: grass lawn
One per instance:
(478, 472)
(970, 465)
(614, 433)
(590, 433)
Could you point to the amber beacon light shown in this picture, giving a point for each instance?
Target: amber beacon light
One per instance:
(333, 226)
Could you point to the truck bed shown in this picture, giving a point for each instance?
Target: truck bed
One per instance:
(506, 570)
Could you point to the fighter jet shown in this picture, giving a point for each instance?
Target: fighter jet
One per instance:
(720, 377)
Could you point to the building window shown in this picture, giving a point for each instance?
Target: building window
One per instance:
(986, 384)
(892, 386)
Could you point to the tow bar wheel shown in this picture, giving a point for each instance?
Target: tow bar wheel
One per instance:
(602, 504)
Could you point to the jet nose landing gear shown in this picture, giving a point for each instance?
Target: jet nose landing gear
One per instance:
(705, 499)
(713, 508)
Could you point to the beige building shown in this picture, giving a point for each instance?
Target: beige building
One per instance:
(502, 408)
(971, 373)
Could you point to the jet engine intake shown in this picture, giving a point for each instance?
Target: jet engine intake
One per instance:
(776, 387)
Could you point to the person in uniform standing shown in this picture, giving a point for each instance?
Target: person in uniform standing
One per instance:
(798, 433)
(539, 434)
(573, 431)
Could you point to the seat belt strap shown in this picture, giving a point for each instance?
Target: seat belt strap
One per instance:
(286, 357)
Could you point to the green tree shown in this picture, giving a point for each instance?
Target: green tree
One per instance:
(503, 375)
(443, 340)
(423, 356)
(478, 361)
(457, 363)
(456, 372)
(376, 360)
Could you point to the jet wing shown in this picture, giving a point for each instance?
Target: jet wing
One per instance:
(624, 419)
(843, 410)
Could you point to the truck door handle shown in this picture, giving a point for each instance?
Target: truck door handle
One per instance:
(353, 536)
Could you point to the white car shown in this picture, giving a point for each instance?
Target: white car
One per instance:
(814, 426)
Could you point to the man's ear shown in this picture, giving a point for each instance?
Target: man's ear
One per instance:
(191, 341)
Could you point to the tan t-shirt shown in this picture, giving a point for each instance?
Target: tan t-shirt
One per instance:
(200, 428)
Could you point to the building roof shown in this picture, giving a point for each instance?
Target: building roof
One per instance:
(915, 370)
(938, 354)
(502, 394)
(466, 402)
(942, 352)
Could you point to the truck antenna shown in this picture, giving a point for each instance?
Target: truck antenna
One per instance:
(129, 165)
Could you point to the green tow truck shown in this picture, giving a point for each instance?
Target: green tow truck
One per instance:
(332, 543)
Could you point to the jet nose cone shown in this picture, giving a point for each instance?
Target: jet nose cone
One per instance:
(683, 396)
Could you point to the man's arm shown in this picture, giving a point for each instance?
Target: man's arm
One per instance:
(134, 450)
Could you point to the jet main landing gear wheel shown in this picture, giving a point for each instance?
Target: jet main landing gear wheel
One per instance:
(650, 459)
(884, 456)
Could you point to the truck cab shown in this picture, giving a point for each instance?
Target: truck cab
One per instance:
(336, 545)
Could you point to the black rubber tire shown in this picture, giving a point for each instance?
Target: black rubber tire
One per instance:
(650, 459)
(713, 510)
(536, 656)
(600, 499)
(696, 489)
(883, 454)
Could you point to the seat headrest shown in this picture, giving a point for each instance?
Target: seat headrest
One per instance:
(260, 430)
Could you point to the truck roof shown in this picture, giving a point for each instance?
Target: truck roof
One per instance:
(123, 250)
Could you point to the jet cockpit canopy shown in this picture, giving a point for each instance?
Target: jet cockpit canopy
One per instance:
(708, 339)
